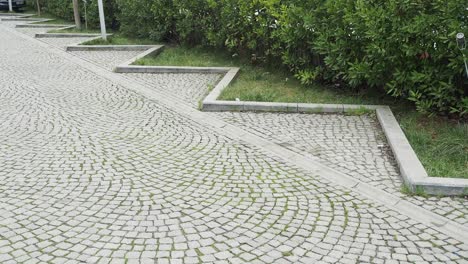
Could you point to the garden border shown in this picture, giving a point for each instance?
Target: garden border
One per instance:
(230, 73)
(413, 173)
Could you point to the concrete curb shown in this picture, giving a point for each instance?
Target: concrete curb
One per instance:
(446, 226)
(152, 51)
(78, 47)
(66, 35)
(42, 26)
(87, 40)
(216, 106)
(27, 19)
(413, 173)
(16, 15)
(127, 67)
(168, 69)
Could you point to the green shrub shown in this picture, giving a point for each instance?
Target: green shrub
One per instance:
(59, 8)
(406, 48)
(64, 9)
(401, 47)
(110, 12)
(152, 19)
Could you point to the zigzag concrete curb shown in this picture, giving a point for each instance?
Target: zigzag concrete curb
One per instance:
(230, 73)
(308, 163)
(413, 173)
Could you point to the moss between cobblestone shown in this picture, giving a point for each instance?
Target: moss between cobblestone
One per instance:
(345, 224)
(417, 192)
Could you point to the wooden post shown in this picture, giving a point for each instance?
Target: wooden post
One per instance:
(76, 13)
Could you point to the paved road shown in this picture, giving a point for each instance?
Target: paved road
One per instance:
(91, 171)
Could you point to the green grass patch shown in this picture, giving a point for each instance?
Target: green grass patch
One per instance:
(75, 30)
(258, 83)
(417, 192)
(441, 144)
(117, 39)
(55, 20)
(359, 111)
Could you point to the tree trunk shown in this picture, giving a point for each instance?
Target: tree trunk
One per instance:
(38, 7)
(76, 13)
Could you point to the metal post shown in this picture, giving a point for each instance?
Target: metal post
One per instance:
(10, 5)
(461, 43)
(102, 20)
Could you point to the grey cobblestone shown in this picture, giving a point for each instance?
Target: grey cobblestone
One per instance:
(188, 87)
(354, 145)
(63, 42)
(91, 171)
(107, 59)
(32, 31)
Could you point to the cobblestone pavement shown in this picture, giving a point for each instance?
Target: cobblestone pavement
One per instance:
(93, 172)
(107, 59)
(63, 42)
(32, 31)
(354, 145)
(57, 42)
(28, 31)
(191, 88)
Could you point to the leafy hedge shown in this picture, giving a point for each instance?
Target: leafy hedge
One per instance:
(405, 48)
(59, 8)
(64, 9)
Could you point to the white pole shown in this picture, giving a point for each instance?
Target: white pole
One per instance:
(10, 5)
(101, 18)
